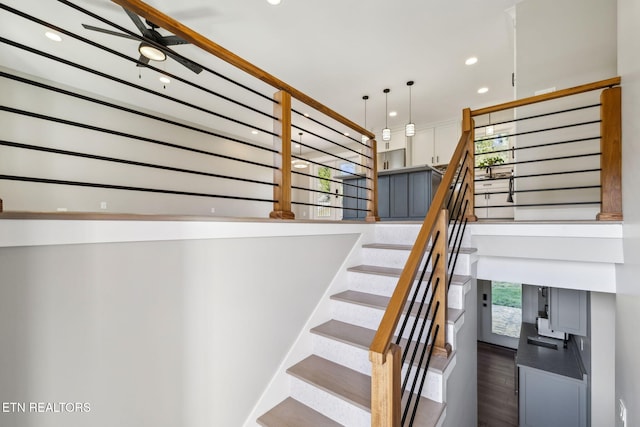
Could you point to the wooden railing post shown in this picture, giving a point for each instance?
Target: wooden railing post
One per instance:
(372, 182)
(468, 125)
(611, 155)
(385, 388)
(282, 158)
(441, 251)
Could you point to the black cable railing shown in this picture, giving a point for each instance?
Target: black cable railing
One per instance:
(203, 118)
(549, 161)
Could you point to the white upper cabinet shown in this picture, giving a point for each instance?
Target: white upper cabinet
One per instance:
(398, 140)
(435, 145)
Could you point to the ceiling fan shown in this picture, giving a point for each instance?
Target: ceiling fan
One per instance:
(149, 51)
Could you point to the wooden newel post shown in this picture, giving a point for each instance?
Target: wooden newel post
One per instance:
(372, 182)
(385, 388)
(282, 158)
(440, 252)
(468, 125)
(611, 157)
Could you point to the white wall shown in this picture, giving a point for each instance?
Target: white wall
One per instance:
(561, 44)
(163, 333)
(628, 297)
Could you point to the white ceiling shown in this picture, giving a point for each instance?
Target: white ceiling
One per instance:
(335, 51)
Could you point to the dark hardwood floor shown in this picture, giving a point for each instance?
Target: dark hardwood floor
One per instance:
(497, 402)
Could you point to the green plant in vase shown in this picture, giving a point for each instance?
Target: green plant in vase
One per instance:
(488, 162)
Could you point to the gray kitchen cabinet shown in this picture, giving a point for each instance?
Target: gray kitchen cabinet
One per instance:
(551, 400)
(403, 194)
(568, 311)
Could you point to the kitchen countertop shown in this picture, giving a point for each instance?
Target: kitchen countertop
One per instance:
(407, 169)
(563, 361)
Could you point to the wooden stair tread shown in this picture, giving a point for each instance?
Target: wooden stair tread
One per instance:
(336, 379)
(400, 247)
(456, 279)
(381, 302)
(355, 387)
(360, 337)
(291, 413)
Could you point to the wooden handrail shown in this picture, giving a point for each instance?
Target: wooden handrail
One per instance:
(602, 84)
(141, 8)
(384, 335)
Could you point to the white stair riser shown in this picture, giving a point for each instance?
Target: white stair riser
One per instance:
(326, 403)
(398, 258)
(370, 318)
(401, 235)
(358, 359)
(348, 355)
(385, 285)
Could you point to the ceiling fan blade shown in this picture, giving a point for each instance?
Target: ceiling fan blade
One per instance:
(136, 20)
(190, 65)
(173, 40)
(113, 33)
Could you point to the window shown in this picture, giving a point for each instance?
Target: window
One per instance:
(486, 147)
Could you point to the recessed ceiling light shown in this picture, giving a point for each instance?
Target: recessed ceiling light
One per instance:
(165, 79)
(393, 113)
(274, 2)
(306, 114)
(53, 36)
(255, 132)
(483, 90)
(471, 61)
(297, 146)
(346, 134)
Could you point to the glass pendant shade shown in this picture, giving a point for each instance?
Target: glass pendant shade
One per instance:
(410, 129)
(365, 139)
(386, 134)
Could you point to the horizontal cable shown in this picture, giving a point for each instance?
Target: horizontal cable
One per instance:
(538, 175)
(533, 190)
(538, 204)
(352, 175)
(539, 115)
(131, 85)
(131, 33)
(330, 141)
(126, 162)
(337, 181)
(329, 206)
(329, 193)
(329, 154)
(543, 130)
(575, 156)
(128, 135)
(130, 110)
(128, 188)
(327, 126)
(569, 141)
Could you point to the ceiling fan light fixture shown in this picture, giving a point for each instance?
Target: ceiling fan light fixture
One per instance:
(53, 36)
(151, 52)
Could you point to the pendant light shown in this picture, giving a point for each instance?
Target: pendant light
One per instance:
(386, 132)
(410, 128)
(365, 138)
(299, 163)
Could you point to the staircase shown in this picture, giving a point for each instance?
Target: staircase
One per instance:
(332, 386)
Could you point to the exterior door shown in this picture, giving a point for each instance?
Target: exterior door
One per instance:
(499, 312)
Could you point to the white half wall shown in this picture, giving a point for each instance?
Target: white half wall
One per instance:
(163, 332)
